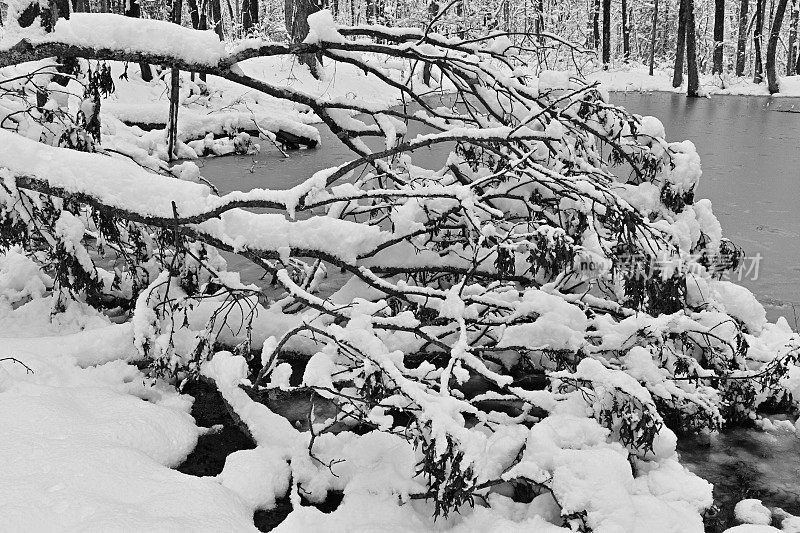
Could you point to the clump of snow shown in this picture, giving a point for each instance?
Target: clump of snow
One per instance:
(259, 476)
(322, 28)
(752, 511)
(20, 277)
(739, 302)
(280, 376)
(753, 528)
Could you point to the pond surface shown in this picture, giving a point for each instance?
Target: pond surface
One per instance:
(750, 150)
(749, 147)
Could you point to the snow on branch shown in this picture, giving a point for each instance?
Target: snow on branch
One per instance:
(528, 304)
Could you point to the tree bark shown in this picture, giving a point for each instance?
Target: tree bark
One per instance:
(606, 33)
(249, 15)
(653, 37)
(772, 46)
(296, 14)
(216, 18)
(665, 38)
(626, 33)
(595, 24)
(175, 80)
(677, 75)
(719, 35)
(433, 10)
(540, 20)
(758, 68)
(135, 10)
(370, 11)
(792, 59)
(741, 44)
(194, 13)
(693, 82)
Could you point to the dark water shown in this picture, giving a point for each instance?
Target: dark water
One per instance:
(744, 463)
(750, 150)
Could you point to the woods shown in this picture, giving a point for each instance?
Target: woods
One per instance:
(503, 308)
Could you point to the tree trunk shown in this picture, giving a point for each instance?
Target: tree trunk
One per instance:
(540, 20)
(135, 10)
(296, 14)
(741, 44)
(199, 21)
(216, 18)
(370, 9)
(719, 35)
(103, 6)
(606, 33)
(653, 37)
(433, 10)
(665, 37)
(249, 15)
(626, 33)
(758, 68)
(792, 59)
(693, 83)
(596, 24)
(79, 6)
(797, 65)
(677, 75)
(772, 46)
(194, 13)
(175, 81)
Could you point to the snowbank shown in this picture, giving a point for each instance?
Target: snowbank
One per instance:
(638, 79)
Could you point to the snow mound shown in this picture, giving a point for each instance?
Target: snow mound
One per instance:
(752, 511)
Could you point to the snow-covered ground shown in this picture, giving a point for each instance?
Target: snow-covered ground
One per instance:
(637, 78)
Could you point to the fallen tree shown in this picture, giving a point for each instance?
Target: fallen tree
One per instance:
(543, 310)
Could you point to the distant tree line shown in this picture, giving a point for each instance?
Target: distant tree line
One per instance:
(755, 38)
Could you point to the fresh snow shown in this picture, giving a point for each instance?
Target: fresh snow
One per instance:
(637, 79)
(88, 441)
